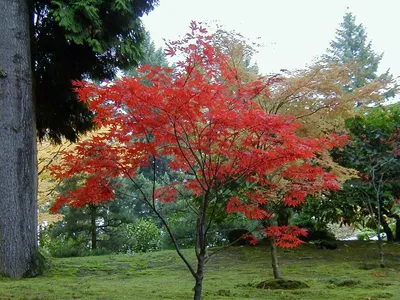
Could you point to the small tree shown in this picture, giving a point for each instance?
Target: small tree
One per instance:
(202, 116)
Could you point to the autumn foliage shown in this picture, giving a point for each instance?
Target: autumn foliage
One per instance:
(201, 115)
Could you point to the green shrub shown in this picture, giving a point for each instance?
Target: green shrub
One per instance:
(61, 245)
(366, 234)
(146, 236)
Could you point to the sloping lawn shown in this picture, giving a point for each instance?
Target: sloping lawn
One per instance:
(349, 272)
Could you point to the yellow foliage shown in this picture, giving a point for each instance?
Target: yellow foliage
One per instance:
(315, 97)
(47, 155)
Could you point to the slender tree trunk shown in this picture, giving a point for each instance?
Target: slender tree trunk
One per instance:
(380, 246)
(18, 171)
(274, 257)
(381, 254)
(93, 228)
(201, 245)
(198, 288)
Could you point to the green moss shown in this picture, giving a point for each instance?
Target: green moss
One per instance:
(343, 282)
(282, 284)
(231, 274)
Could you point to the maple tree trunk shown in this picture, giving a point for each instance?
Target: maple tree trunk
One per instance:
(18, 171)
(274, 258)
(198, 288)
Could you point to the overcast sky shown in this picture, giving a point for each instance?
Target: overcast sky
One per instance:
(293, 32)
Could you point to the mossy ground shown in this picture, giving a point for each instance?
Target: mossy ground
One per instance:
(349, 272)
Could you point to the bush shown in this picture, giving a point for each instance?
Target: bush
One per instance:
(60, 245)
(322, 234)
(366, 234)
(69, 248)
(146, 236)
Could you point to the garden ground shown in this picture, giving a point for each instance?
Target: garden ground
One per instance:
(349, 272)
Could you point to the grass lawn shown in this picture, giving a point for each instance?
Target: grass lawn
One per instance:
(349, 272)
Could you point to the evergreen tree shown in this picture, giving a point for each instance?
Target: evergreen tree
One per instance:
(152, 56)
(77, 39)
(351, 46)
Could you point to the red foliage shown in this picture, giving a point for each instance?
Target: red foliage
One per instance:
(203, 115)
(251, 238)
(285, 236)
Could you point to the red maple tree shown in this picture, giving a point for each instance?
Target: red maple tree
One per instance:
(203, 116)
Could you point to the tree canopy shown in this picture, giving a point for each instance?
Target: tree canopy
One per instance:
(74, 40)
(202, 115)
(374, 152)
(352, 46)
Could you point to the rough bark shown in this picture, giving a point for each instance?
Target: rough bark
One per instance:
(18, 172)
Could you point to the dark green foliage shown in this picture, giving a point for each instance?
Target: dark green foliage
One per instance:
(77, 39)
(77, 234)
(374, 152)
(152, 56)
(235, 237)
(183, 222)
(351, 45)
(43, 263)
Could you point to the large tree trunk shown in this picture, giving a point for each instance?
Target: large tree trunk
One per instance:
(18, 172)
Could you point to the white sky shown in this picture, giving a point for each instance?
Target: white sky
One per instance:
(293, 32)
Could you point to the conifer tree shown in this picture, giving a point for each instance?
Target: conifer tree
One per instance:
(352, 46)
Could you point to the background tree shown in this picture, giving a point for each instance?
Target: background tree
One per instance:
(351, 46)
(67, 40)
(47, 155)
(76, 223)
(79, 39)
(323, 95)
(374, 152)
(103, 227)
(151, 56)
